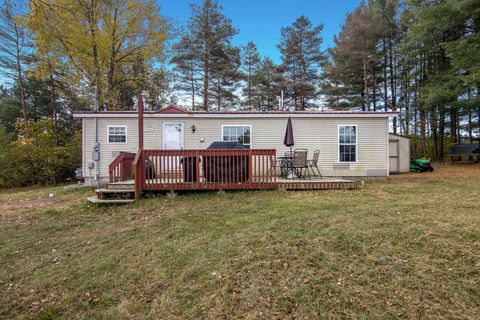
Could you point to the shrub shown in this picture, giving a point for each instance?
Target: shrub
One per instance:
(33, 157)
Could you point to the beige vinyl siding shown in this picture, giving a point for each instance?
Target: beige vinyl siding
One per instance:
(108, 151)
(310, 133)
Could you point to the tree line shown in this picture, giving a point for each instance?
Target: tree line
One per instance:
(417, 57)
(215, 75)
(420, 58)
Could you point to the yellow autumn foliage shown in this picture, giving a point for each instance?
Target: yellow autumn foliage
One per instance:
(95, 44)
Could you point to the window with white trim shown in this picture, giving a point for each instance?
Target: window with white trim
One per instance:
(241, 134)
(347, 143)
(117, 134)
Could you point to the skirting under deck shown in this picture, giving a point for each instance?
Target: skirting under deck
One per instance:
(315, 184)
(285, 184)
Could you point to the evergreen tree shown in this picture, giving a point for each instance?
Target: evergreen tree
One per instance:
(354, 59)
(302, 59)
(250, 66)
(210, 33)
(187, 68)
(270, 83)
(15, 49)
(224, 78)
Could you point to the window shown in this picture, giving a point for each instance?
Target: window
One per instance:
(241, 134)
(117, 134)
(347, 143)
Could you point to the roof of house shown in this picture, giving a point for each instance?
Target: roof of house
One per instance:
(464, 148)
(175, 111)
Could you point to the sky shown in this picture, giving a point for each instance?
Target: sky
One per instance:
(261, 20)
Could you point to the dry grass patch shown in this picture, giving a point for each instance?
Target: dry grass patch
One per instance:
(405, 248)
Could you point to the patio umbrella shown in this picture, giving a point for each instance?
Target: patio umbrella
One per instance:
(288, 140)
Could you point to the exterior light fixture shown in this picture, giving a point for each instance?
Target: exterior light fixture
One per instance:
(193, 128)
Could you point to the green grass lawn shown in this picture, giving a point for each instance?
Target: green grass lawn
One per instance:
(408, 247)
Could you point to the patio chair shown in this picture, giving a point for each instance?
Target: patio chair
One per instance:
(299, 162)
(313, 163)
(276, 163)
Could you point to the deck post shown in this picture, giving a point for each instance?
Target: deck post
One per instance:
(140, 120)
(250, 169)
(140, 162)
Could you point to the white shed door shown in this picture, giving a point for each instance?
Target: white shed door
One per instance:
(394, 156)
(172, 136)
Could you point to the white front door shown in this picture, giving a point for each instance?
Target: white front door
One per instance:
(173, 136)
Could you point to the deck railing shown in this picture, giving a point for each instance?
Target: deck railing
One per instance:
(205, 169)
(121, 167)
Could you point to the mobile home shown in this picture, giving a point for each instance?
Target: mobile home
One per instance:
(351, 144)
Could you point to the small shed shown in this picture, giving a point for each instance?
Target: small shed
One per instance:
(399, 153)
(464, 153)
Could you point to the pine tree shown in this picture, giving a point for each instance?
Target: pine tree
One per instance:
(270, 83)
(302, 59)
(224, 78)
(355, 60)
(187, 68)
(211, 33)
(250, 66)
(15, 49)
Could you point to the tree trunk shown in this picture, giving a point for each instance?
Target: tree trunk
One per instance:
(470, 126)
(415, 129)
(111, 69)
(423, 127)
(365, 84)
(219, 94)
(441, 132)
(192, 83)
(385, 83)
(478, 111)
(433, 130)
(54, 109)
(249, 89)
(453, 123)
(21, 85)
(393, 90)
(91, 21)
(205, 84)
(407, 100)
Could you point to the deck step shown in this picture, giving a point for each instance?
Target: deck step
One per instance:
(94, 199)
(121, 186)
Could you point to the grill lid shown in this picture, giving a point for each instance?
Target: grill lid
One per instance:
(226, 145)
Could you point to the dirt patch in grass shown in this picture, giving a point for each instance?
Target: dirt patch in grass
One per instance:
(22, 201)
(405, 248)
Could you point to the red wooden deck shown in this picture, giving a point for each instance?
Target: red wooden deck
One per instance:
(245, 169)
(172, 170)
(201, 169)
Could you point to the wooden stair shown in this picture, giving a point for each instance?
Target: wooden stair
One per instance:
(115, 192)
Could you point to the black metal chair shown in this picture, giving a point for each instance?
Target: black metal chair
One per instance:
(299, 162)
(313, 163)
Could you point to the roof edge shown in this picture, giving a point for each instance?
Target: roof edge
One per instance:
(203, 114)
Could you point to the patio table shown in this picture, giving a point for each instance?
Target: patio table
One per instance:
(286, 166)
